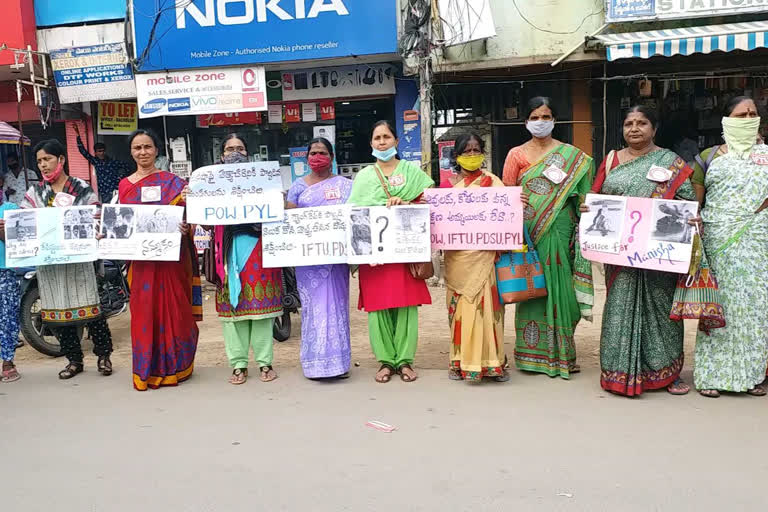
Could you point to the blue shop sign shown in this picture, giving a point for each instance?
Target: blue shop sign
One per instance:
(210, 33)
(50, 13)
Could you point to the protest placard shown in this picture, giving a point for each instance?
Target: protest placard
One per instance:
(376, 234)
(229, 194)
(638, 232)
(307, 236)
(140, 232)
(476, 218)
(50, 236)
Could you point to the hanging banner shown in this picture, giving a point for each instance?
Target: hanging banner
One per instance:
(228, 194)
(117, 117)
(275, 115)
(638, 232)
(92, 73)
(339, 82)
(309, 112)
(476, 218)
(636, 10)
(327, 110)
(293, 113)
(136, 232)
(307, 236)
(50, 236)
(299, 165)
(202, 91)
(378, 234)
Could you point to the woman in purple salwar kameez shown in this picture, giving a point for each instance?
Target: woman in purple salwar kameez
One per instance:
(324, 289)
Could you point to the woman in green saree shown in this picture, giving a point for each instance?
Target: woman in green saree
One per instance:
(553, 188)
(640, 347)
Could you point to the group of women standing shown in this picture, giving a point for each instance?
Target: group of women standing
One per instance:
(641, 347)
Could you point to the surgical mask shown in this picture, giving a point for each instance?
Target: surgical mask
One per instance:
(386, 155)
(319, 163)
(540, 129)
(740, 134)
(470, 163)
(234, 158)
(50, 178)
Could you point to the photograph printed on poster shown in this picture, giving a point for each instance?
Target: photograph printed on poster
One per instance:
(21, 227)
(79, 224)
(604, 219)
(156, 221)
(410, 224)
(670, 221)
(118, 222)
(362, 243)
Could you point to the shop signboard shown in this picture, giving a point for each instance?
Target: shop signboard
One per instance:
(117, 117)
(202, 91)
(408, 120)
(210, 33)
(639, 10)
(327, 110)
(232, 119)
(293, 113)
(92, 73)
(299, 165)
(339, 82)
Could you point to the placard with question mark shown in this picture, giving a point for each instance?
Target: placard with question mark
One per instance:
(379, 235)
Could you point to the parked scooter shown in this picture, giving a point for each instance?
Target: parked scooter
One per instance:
(281, 330)
(113, 290)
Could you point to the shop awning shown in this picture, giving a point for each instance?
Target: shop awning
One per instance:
(686, 41)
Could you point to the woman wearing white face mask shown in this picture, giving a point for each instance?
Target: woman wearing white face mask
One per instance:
(389, 293)
(555, 178)
(735, 237)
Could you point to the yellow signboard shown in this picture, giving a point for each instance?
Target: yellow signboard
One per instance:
(117, 117)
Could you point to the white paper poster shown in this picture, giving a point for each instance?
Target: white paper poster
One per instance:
(228, 194)
(141, 232)
(326, 132)
(307, 236)
(309, 112)
(378, 234)
(275, 114)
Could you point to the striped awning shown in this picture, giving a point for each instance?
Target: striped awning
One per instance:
(686, 41)
(10, 135)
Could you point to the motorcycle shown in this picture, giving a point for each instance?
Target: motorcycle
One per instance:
(281, 330)
(113, 291)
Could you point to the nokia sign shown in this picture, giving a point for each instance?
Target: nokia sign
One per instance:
(210, 33)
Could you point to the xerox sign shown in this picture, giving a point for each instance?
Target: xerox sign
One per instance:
(208, 33)
(205, 91)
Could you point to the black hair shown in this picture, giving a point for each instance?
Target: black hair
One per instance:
(148, 133)
(12, 154)
(384, 123)
(234, 135)
(461, 145)
(99, 145)
(321, 140)
(50, 146)
(735, 102)
(648, 112)
(538, 102)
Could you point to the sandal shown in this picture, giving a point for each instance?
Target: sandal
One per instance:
(71, 370)
(454, 374)
(10, 375)
(504, 377)
(386, 377)
(404, 376)
(104, 365)
(709, 393)
(758, 390)
(239, 376)
(678, 388)
(265, 374)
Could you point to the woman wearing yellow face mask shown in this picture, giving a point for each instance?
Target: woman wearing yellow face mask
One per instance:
(735, 237)
(475, 316)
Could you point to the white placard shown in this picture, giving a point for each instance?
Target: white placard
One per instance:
(141, 232)
(400, 234)
(228, 194)
(307, 236)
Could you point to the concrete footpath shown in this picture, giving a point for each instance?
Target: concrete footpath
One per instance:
(94, 444)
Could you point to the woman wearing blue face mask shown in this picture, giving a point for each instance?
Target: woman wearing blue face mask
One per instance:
(389, 293)
(555, 177)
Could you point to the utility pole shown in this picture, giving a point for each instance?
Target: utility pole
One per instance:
(425, 101)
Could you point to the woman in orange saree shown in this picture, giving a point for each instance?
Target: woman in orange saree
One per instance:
(166, 298)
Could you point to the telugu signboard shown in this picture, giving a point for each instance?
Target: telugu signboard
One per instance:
(476, 218)
(307, 236)
(638, 232)
(208, 33)
(228, 194)
(637, 10)
(50, 236)
(92, 73)
(117, 117)
(141, 232)
(202, 91)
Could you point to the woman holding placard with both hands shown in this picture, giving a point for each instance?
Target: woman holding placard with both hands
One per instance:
(735, 193)
(324, 289)
(166, 298)
(69, 293)
(640, 347)
(390, 293)
(475, 315)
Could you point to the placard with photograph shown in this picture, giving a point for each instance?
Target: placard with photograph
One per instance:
(141, 232)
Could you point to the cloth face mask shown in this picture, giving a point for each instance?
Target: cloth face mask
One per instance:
(540, 129)
(470, 163)
(740, 134)
(319, 163)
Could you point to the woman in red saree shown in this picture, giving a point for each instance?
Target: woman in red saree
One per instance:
(166, 298)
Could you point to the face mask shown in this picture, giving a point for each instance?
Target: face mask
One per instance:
(540, 129)
(319, 163)
(385, 156)
(470, 163)
(50, 178)
(234, 158)
(740, 134)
